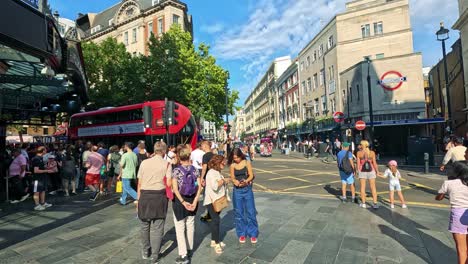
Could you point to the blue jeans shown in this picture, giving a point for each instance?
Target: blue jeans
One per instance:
(127, 189)
(245, 217)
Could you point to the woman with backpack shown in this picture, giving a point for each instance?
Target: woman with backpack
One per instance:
(245, 218)
(368, 170)
(185, 179)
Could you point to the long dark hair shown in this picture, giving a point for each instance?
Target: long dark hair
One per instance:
(460, 170)
(238, 152)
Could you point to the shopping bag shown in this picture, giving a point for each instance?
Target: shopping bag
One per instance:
(118, 187)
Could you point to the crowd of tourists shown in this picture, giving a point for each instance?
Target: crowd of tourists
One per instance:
(174, 175)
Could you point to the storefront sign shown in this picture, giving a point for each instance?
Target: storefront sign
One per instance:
(391, 80)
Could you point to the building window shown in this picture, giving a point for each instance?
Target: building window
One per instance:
(150, 29)
(330, 42)
(160, 26)
(111, 22)
(333, 106)
(309, 84)
(331, 72)
(303, 88)
(378, 28)
(350, 93)
(315, 81)
(320, 50)
(46, 131)
(126, 38)
(316, 106)
(315, 56)
(324, 103)
(302, 66)
(379, 56)
(365, 30)
(134, 35)
(322, 80)
(308, 62)
(155, 2)
(175, 19)
(95, 29)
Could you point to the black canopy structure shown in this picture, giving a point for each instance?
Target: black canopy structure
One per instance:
(41, 73)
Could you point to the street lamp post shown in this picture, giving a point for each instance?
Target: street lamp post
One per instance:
(228, 130)
(369, 92)
(443, 35)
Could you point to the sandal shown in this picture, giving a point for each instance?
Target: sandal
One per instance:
(218, 249)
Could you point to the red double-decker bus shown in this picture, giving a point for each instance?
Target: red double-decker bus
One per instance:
(116, 125)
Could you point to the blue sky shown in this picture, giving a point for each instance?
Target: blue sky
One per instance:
(246, 35)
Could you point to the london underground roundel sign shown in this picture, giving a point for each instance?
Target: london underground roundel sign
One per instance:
(338, 117)
(391, 80)
(360, 125)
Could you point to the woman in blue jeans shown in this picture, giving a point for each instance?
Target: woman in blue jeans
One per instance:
(243, 198)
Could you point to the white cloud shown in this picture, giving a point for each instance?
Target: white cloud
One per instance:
(213, 28)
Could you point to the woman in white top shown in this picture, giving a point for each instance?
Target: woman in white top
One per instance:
(457, 190)
(215, 188)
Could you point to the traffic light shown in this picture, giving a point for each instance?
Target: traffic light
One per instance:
(172, 113)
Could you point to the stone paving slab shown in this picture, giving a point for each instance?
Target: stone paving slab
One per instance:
(293, 229)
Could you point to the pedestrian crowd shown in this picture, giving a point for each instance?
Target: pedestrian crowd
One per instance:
(175, 176)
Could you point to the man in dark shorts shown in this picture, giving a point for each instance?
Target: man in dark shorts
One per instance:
(39, 185)
(205, 146)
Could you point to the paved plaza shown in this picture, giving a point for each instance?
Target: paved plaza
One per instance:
(307, 226)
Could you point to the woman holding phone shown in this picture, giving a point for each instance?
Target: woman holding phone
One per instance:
(243, 199)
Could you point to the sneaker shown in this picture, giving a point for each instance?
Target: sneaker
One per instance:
(205, 218)
(375, 206)
(39, 208)
(182, 260)
(146, 255)
(253, 240)
(242, 239)
(363, 205)
(26, 196)
(189, 253)
(14, 201)
(355, 200)
(94, 196)
(73, 193)
(404, 206)
(47, 205)
(53, 192)
(343, 199)
(392, 206)
(66, 194)
(213, 244)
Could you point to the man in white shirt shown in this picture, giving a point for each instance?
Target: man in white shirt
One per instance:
(456, 153)
(197, 157)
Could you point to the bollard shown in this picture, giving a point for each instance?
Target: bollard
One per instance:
(426, 163)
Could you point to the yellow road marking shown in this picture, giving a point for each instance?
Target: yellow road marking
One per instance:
(423, 204)
(288, 177)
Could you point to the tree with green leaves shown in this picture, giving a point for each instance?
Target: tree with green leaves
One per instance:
(173, 69)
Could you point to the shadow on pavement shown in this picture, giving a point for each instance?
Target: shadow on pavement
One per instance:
(9, 237)
(413, 239)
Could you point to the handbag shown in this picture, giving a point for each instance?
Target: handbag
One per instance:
(220, 204)
(118, 187)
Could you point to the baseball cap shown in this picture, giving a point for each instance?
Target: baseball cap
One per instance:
(346, 144)
(392, 163)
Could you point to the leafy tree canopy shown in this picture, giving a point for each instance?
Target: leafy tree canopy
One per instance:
(173, 68)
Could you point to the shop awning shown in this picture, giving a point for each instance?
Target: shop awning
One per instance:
(424, 121)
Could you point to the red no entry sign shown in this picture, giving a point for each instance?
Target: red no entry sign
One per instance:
(338, 117)
(160, 122)
(360, 125)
